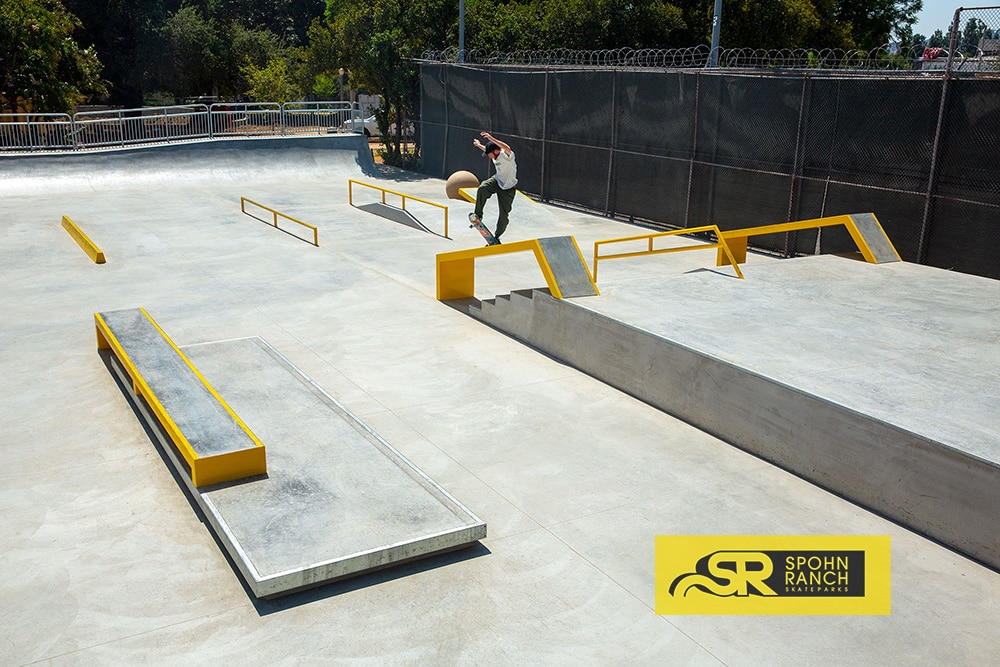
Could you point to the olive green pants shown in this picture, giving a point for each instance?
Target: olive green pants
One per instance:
(505, 198)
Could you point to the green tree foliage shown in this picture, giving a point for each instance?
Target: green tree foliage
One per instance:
(123, 33)
(271, 83)
(321, 61)
(42, 68)
(571, 24)
(769, 24)
(872, 23)
(204, 54)
(376, 41)
(970, 35)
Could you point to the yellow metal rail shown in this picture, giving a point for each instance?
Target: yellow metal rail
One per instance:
(385, 191)
(736, 239)
(244, 201)
(720, 244)
(83, 240)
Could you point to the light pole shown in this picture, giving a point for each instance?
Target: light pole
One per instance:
(713, 58)
(461, 31)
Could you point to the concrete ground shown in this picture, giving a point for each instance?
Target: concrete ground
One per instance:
(105, 559)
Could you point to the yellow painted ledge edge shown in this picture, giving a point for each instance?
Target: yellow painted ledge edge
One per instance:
(205, 470)
(83, 240)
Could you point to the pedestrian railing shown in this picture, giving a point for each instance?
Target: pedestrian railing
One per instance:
(153, 125)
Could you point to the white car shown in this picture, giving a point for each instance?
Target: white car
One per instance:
(366, 126)
(369, 127)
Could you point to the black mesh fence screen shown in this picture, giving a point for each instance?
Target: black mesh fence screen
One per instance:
(687, 148)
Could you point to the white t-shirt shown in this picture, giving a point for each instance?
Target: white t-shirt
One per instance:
(506, 170)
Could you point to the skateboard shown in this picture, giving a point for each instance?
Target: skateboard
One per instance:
(478, 224)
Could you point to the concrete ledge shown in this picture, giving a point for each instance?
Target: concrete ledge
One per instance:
(214, 442)
(948, 495)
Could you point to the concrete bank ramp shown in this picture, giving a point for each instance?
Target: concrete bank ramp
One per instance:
(197, 162)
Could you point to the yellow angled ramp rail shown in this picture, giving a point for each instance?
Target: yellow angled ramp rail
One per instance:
(864, 228)
(83, 240)
(215, 443)
(562, 264)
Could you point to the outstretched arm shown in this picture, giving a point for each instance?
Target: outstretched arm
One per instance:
(489, 137)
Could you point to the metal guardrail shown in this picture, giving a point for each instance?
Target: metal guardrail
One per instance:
(155, 125)
(350, 198)
(276, 214)
(649, 250)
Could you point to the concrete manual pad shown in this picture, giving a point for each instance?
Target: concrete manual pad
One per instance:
(337, 501)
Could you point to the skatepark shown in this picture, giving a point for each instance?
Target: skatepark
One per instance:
(681, 400)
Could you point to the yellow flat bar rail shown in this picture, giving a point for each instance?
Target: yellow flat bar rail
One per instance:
(737, 238)
(83, 240)
(244, 201)
(403, 197)
(205, 470)
(721, 244)
(456, 270)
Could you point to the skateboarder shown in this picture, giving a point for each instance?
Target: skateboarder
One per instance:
(501, 184)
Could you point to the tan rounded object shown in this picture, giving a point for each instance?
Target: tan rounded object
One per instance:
(460, 179)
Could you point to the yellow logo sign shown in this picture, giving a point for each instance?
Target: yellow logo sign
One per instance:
(773, 574)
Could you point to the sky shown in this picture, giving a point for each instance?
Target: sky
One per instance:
(937, 15)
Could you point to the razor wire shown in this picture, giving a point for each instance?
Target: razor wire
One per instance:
(886, 57)
(974, 47)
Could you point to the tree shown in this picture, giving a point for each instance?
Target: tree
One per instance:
(938, 39)
(872, 23)
(124, 33)
(769, 24)
(376, 42)
(969, 38)
(271, 83)
(572, 24)
(46, 71)
(205, 54)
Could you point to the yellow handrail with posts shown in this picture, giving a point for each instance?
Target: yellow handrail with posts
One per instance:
(350, 198)
(244, 201)
(720, 244)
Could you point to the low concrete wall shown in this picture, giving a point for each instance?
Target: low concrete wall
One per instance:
(924, 485)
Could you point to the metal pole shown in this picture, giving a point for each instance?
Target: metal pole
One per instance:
(713, 59)
(461, 31)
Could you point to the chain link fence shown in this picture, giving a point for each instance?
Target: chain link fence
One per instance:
(687, 147)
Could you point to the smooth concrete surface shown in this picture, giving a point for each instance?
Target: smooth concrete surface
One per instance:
(105, 562)
(337, 500)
